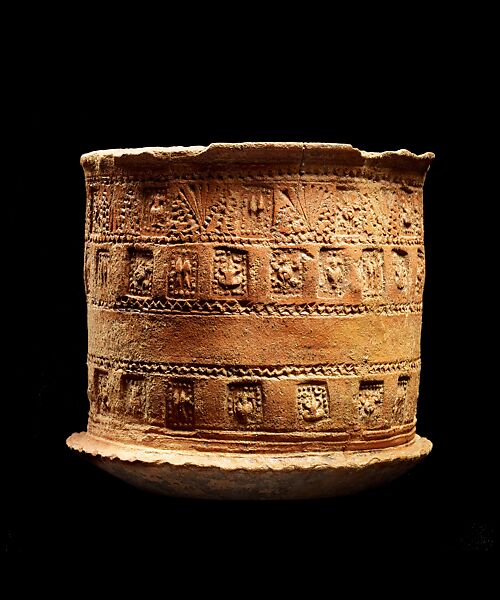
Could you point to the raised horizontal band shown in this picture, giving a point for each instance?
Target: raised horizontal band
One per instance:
(262, 372)
(269, 309)
(216, 440)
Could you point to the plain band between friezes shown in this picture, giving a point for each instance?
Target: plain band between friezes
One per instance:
(249, 339)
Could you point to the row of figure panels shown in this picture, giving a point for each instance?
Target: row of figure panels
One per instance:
(285, 212)
(333, 404)
(346, 275)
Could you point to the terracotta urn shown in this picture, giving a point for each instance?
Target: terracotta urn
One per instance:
(254, 318)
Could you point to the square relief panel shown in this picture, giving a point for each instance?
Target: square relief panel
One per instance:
(230, 272)
(399, 408)
(288, 271)
(141, 273)
(372, 272)
(333, 273)
(183, 274)
(369, 403)
(401, 270)
(419, 284)
(245, 403)
(312, 400)
(133, 395)
(179, 413)
(102, 391)
(102, 269)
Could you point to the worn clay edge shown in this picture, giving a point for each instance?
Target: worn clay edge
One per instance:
(102, 448)
(298, 156)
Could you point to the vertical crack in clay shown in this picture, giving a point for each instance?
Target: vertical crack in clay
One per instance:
(302, 159)
(302, 205)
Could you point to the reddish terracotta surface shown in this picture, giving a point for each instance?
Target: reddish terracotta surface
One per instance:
(254, 309)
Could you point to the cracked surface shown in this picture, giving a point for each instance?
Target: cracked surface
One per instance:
(300, 154)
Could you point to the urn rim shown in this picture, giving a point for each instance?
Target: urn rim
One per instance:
(298, 156)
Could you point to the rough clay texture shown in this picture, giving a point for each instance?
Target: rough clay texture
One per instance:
(258, 302)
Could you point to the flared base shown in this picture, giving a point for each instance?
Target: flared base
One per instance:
(228, 476)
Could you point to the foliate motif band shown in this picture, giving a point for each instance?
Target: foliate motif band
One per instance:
(290, 212)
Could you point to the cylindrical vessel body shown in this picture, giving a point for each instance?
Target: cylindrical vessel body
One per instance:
(257, 298)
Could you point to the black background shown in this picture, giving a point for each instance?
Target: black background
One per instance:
(320, 93)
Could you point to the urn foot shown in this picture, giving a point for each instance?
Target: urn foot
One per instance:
(231, 476)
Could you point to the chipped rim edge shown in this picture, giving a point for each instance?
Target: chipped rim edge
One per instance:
(97, 447)
(299, 155)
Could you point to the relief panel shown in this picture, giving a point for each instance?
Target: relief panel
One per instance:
(370, 404)
(287, 272)
(179, 413)
(183, 274)
(230, 273)
(141, 273)
(420, 278)
(372, 272)
(133, 396)
(333, 273)
(312, 400)
(400, 406)
(245, 403)
(401, 270)
(102, 391)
